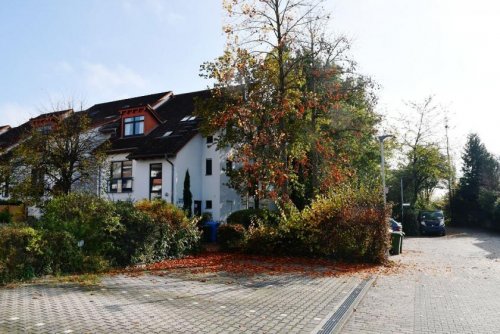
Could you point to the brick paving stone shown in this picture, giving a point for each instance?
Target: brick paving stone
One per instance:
(175, 303)
(449, 285)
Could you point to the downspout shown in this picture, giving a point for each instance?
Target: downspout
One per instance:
(172, 185)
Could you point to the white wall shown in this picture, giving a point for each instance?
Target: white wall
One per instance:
(189, 157)
(203, 187)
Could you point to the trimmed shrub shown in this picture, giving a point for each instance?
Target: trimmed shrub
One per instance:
(85, 217)
(350, 225)
(60, 253)
(133, 243)
(231, 237)
(174, 234)
(263, 240)
(20, 252)
(248, 216)
(288, 239)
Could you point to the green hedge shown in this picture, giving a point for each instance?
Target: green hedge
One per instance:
(86, 218)
(173, 234)
(83, 233)
(20, 253)
(349, 225)
(257, 216)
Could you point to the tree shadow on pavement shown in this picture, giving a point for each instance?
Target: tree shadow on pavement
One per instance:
(486, 240)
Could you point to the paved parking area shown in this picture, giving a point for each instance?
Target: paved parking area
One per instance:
(176, 303)
(442, 285)
(448, 285)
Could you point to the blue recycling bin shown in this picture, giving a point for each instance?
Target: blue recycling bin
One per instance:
(210, 231)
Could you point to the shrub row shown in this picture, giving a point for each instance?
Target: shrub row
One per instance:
(83, 233)
(348, 225)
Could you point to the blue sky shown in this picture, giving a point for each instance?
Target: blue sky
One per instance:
(99, 50)
(95, 50)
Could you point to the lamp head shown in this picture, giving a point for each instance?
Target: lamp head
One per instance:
(384, 137)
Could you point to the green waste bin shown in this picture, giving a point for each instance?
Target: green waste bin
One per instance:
(397, 243)
(401, 243)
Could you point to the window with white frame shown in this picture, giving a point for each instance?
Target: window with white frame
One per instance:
(121, 177)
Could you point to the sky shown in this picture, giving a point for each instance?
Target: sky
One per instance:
(94, 51)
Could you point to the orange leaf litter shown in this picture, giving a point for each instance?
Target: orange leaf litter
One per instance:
(236, 263)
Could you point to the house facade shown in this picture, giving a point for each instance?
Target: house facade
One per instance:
(153, 141)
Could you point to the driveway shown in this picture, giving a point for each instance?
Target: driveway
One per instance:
(442, 285)
(179, 302)
(446, 285)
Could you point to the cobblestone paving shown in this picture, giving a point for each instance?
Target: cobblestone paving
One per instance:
(175, 303)
(449, 285)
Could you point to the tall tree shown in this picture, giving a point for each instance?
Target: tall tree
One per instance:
(187, 196)
(479, 187)
(53, 160)
(424, 162)
(279, 93)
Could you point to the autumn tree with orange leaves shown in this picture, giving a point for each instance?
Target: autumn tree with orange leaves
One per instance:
(287, 101)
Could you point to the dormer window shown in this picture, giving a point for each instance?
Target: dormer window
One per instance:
(45, 129)
(133, 126)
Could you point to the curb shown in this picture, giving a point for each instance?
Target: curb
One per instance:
(338, 318)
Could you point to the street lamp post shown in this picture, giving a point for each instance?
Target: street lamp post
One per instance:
(382, 163)
(402, 201)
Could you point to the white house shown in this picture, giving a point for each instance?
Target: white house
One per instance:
(154, 140)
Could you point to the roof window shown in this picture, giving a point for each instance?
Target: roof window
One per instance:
(188, 118)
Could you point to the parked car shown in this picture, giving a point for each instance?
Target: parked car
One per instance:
(432, 222)
(395, 226)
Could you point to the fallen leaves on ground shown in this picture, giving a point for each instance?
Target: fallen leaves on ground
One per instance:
(242, 264)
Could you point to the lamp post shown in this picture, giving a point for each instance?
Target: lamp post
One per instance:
(382, 162)
(402, 201)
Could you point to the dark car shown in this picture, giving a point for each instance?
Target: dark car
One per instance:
(432, 222)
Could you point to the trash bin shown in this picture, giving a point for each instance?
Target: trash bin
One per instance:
(397, 243)
(401, 243)
(210, 231)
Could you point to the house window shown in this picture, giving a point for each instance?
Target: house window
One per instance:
(155, 181)
(5, 188)
(208, 167)
(121, 177)
(208, 204)
(45, 129)
(133, 126)
(229, 166)
(210, 139)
